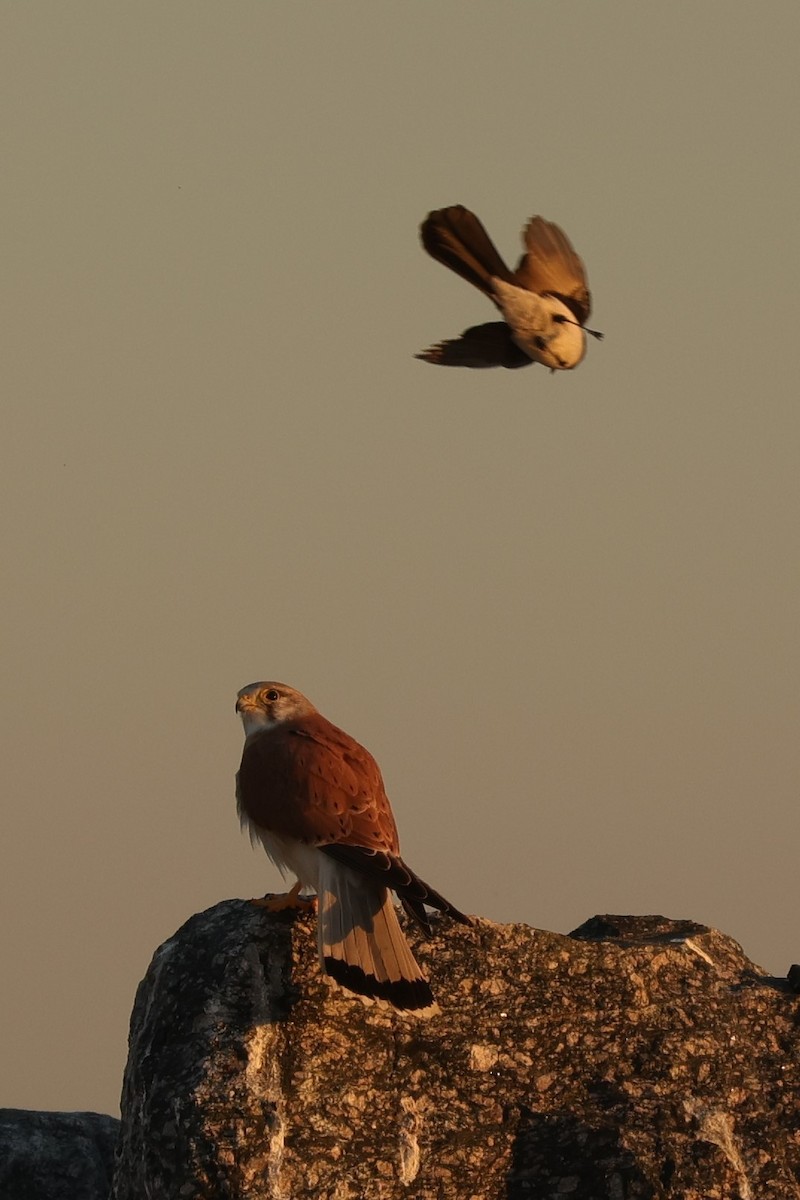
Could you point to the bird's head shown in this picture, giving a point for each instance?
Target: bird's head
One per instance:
(565, 347)
(266, 704)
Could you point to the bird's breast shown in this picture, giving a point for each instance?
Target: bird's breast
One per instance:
(557, 344)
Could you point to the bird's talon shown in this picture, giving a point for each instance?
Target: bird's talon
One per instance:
(286, 902)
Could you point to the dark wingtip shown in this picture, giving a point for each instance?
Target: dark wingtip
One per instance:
(448, 910)
(415, 909)
(408, 995)
(435, 899)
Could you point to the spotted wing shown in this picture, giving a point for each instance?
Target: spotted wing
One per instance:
(311, 781)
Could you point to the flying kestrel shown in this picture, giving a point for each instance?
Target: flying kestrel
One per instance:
(545, 303)
(315, 800)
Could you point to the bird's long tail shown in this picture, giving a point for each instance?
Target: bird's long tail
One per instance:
(455, 237)
(361, 944)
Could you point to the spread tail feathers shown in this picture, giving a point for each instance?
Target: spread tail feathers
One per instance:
(455, 237)
(362, 946)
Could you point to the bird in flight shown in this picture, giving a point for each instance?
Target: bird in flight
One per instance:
(545, 303)
(314, 798)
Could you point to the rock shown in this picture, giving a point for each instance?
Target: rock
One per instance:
(636, 1057)
(56, 1155)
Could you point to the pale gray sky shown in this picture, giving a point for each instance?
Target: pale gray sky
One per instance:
(561, 610)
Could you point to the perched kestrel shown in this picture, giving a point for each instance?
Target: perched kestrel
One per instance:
(545, 303)
(315, 800)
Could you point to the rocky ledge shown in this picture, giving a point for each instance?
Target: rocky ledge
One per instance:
(636, 1057)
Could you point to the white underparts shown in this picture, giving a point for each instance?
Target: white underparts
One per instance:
(559, 344)
(255, 719)
(290, 856)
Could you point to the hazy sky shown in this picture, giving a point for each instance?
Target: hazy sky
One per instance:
(561, 610)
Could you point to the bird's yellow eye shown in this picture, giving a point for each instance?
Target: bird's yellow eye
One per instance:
(272, 695)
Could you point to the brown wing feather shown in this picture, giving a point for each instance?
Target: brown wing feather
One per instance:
(390, 871)
(489, 345)
(551, 265)
(309, 780)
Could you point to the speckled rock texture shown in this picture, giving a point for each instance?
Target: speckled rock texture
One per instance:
(56, 1155)
(636, 1057)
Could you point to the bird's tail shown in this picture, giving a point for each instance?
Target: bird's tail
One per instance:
(361, 944)
(455, 237)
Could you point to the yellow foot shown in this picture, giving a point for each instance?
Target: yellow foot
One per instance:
(287, 901)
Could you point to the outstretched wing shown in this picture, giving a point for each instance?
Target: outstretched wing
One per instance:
(550, 265)
(489, 345)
